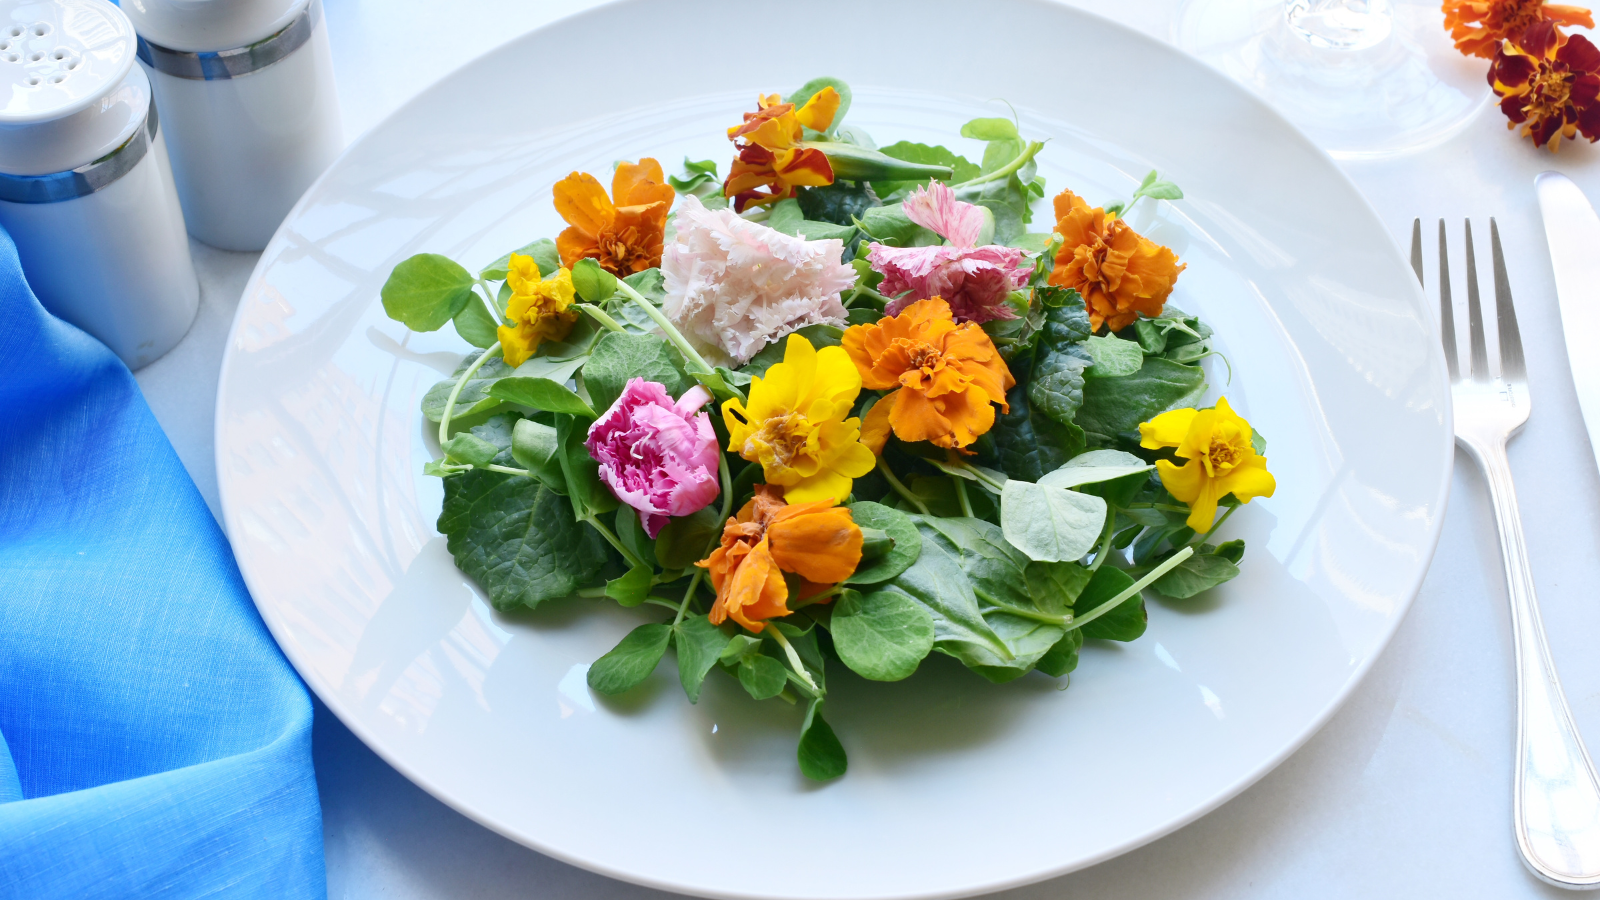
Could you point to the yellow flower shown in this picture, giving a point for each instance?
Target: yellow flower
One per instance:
(1221, 461)
(537, 309)
(795, 425)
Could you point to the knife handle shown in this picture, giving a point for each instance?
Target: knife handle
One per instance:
(1556, 798)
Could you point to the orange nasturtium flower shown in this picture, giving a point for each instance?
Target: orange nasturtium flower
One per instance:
(945, 377)
(1549, 84)
(1478, 26)
(769, 152)
(1220, 459)
(623, 237)
(1118, 272)
(537, 309)
(818, 541)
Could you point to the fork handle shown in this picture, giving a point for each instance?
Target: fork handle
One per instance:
(1556, 798)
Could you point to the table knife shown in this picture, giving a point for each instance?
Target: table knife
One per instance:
(1573, 231)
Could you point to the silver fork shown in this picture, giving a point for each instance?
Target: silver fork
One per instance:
(1556, 796)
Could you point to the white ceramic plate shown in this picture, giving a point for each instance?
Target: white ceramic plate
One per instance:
(956, 786)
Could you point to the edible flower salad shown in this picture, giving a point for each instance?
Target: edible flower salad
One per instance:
(848, 405)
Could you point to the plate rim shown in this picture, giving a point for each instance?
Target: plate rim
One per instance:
(1261, 769)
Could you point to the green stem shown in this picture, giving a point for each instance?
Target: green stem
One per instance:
(591, 592)
(1218, 524)
(900, 488)
(667, 328)
(450, 405)
(794, 660)
(727, 504)
(804, 688)
(1168, 565)
(688, 595)
(599, 315)
(615, 541)
(1105, 542)
(1035, 615)
(826, 595)
(657, 601)
(507, 470)
(1004, 171)
(491, 299)
(961, 494)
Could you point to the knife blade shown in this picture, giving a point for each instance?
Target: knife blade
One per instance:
(1572, 229)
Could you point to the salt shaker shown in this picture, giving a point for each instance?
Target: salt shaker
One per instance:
(86, 189)
(246, 93)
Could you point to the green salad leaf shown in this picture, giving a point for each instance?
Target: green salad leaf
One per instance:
(514, 536)
(426, 291)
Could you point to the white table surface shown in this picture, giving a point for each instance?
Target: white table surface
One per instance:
(1405, 793)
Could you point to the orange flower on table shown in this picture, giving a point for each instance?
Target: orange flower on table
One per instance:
(621, 232)
(769, 152)
(1478, 26)
(944, 378)
(1119, 273)
(1549, 84)
(818, 541)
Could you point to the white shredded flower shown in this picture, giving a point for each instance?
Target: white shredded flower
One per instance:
(733, 286)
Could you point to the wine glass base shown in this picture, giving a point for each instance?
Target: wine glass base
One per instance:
(1407, 91)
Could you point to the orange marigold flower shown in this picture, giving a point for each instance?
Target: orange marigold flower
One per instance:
(945, 377)
(1549, 84)
(625, 236)
(1118, 272)
(769, 152)
(818, 541)
(1478, 26)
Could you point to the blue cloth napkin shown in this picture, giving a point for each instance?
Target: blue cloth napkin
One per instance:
(153, 740)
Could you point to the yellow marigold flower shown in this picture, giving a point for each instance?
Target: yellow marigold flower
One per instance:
(794, 424)
(537, 309)
(1221, 460)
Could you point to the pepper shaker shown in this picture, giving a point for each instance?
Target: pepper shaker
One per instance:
(246, 92)
(86, 189)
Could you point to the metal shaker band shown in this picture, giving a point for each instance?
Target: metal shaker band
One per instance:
(214, 65)
(87, 178)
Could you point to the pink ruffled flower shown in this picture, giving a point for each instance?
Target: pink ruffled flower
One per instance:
(973, 280)
(657, 456)
(733, 286)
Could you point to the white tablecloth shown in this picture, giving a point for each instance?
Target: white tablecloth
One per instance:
(1405, 793)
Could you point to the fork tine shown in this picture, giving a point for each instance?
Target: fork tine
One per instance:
(1512, 364)
(1479, 367)
(1416, 250)
(1447, 308)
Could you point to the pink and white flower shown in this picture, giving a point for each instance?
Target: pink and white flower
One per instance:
(657, 456)
(974, 280)
(733, 286)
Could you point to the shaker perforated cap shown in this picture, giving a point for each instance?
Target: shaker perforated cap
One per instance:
(210, 26)
(58, 57)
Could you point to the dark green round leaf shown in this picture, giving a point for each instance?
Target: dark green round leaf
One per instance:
(426, 291)
(475, 325)
(699, 644)
(682, 542)
(618, 357)
(762, 676)
(821, 755)
(907, 542)
(1198, 573)
(632, 660)
(1126, 622)
(882, 636)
